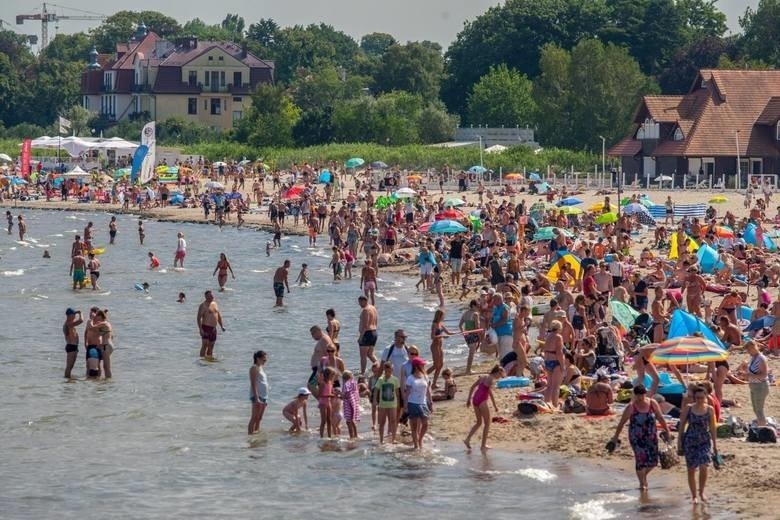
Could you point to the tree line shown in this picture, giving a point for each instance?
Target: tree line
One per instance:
(572, 69)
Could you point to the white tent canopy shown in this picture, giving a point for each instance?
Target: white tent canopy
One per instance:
(76, 173)
(496, 148)
(75, 146)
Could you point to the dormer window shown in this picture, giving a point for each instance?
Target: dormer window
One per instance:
(678, 135)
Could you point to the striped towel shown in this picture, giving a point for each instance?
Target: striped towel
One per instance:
(658, 211)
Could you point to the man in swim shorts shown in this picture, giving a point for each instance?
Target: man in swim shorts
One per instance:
(112, 231)
(367, 336)
(280, 282)
(181, 250)
(368, 280)
(323, 343)
(72, 320)
(78, 270)
(208, 319)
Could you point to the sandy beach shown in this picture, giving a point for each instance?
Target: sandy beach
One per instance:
(751, 471)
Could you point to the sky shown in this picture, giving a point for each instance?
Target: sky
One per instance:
(406, 20)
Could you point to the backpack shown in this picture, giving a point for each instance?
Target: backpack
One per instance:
(573, 405)
(762, 434)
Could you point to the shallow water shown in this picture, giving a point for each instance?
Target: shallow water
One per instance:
(166, 437)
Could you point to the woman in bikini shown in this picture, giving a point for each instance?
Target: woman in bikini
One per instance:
(553, 362)
(480, 391)
(438, 333)
(223, 266)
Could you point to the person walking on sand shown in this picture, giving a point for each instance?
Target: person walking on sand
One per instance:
(280, 282)
(367, 332)
(181, 250)
(258, 391)
(223, 266)
(112, 227)
(641, 415)
(481, 390)
(22, 225)
(698, 442)
(72, 320)
(208, 318)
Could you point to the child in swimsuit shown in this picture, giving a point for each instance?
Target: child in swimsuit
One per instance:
(93, 362)
(303, 276)
(450, 387)
(323, 400)
(292, 411)
(479, 398)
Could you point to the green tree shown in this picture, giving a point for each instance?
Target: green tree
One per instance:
(234, 24)
(10, 91)
(375, 44)
(121, 26)
(701, 19)
(310, 47)
(323, 87)
(270, 120)
(598, 94)
(415, 67)
(79, 119)
(435, 125)
(761, 32)
(681, 72)
(314, 127)
(201, 30)
(69, 47)
(262, 36)
(502, 97)
(514, 33)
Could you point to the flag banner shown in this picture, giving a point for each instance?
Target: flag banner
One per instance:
(26, 152)
(149, 139)
(65, 125)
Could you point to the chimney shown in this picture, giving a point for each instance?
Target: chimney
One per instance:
(244, 51)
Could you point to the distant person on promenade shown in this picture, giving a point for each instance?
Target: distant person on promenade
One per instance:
(208, 319)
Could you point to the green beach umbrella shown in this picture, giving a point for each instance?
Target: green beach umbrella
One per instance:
(454, 202)
(354, 162)
(606, 218)
(546, 233)
(623, 313)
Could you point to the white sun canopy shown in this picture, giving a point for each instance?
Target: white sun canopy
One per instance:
(75, 146)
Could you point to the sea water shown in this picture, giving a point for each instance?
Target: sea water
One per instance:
(166, 437)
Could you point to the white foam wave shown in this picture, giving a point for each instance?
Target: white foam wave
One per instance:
(18, 272)
(540, 475)
(597, 509)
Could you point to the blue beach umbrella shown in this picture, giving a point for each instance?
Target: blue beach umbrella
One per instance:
(325, 177)
(761, 323)
(447, 227)
(477, 169)
(379, 165)
(354, 162)
(569, 201)
(16, 181)
(534, 176)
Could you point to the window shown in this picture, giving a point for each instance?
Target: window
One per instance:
(222, 78)
(756, 166)
(205, 104)
(237, 100)
(216, 106)
(221, 58)
(237, 78)
(192, 106)
(237, 115)
(193, 78)
(206, 79)
(85, 102)
(211, 58)
(678, 135)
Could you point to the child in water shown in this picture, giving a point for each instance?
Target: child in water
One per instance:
(351, 397)
(93, 363)
(182, 298)
(292, 411)
(303, 275)
(450, 387)
(484, 390)
(141, 234)
(154, 262)
(268, 247)
(324, 394)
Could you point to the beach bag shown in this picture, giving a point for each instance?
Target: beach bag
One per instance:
(762, 434)
(573, 405)
(624, 395)
(492, 336)
(527, 408)
(667, 454)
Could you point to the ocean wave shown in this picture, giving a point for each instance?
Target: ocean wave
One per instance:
(597, 508)
(540, 475)
(18, 272)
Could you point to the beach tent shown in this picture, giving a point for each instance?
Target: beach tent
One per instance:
(708, 259)
(623, 313)
(692, 247)
(686, 324)
(750, 237)
(325, 177)
(564, 258)
(542, 188)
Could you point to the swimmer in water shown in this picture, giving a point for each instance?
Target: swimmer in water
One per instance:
(145, 286)
(112, 231)
(303, 275)
(223, 266)
(182, 298)
(78, 270)
(10, 219)
(154, 262)
(94, 271)
(72, 320)
(141, 233)
(268, 247)
(46, 253)
(22, 225)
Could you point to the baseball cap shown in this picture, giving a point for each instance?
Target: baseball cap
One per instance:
(69, 311)
(418, 362)
(303, 391)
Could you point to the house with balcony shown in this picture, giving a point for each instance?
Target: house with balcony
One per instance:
(204, 81)
(725, 130)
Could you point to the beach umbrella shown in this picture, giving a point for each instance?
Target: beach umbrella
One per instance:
(534, 177)
(719, 199)
(765, 322)
(294, 192)
(546, 233)
(218, 164)
(569, 201)
(379, 165)
(624, 201)
(354, 162)
(606, 218)
(423, 228)
(384, 201)
(663, 178)
(405, 193)
(646, 202)
(476, 223)
(121, 172)
(724, 232)
(5, 157)
(685, 350)
(634, 208)
(447, 227)
(571, 210)
(477, 169)
(244, 162)
(17, 181)
(454, 202)
(513, 176)
(214, 185)
(414, 177)
(599, 207)
(623, 313)
(451, 213)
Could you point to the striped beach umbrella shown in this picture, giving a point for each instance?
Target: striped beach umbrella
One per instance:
(685, 350)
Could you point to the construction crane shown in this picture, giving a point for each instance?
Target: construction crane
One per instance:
(31, 38)
(46, 16)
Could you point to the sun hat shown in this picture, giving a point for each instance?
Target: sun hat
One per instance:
(418, 362)
(303, 391)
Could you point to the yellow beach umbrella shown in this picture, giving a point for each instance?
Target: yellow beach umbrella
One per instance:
(513, 176)
(599, 207)
(719, 199)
